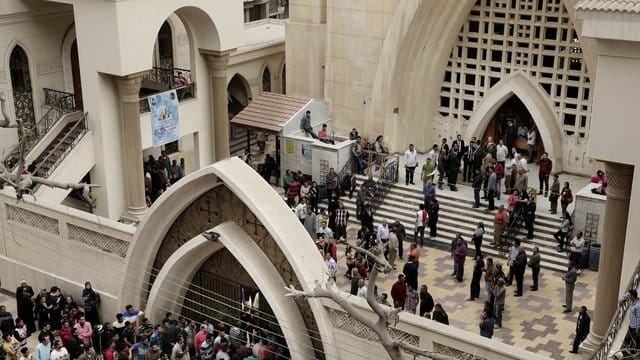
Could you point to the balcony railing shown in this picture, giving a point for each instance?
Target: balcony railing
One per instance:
(60, 103)
(173, 78)
(618, 319)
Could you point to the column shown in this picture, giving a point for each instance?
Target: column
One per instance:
(619, 181)
(129, 89)
(218, 64)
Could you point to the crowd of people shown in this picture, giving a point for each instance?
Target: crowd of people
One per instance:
(67, 330)
(159, 174)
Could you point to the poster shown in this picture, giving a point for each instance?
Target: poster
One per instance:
(165, 117)
(289, 147)
(306, 155)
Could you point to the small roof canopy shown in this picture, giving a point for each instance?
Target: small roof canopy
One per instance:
(270, 112)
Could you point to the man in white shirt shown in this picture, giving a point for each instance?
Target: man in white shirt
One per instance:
(509, 168)
(362, 289)
(410, 164)
(433, 155)
(501, 153)
(383, 232)
(521, 162)
(577, 246)
(59, 352)
(301, 210)
(332, 267)
(531, 143)
(325, 230)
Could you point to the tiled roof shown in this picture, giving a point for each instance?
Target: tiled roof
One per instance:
(269, 111)
(625, 6)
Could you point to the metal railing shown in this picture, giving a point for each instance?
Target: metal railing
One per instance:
(64, 146)
(613, 332)
(60, 103)
(167, 76)
(385, 167)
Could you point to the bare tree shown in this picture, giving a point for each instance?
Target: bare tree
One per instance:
(397, 349)
(23, 181)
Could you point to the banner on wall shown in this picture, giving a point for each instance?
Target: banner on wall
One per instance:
(165, 117)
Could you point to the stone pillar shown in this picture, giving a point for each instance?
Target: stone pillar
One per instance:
(218, 64)
(619, 181)
(129, 89)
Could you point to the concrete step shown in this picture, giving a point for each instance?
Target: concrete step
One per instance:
(456, 215)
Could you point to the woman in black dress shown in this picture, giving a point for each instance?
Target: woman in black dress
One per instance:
(91, 301)
(426, 301)
(478, 269)
(42, 311)
(24, 299)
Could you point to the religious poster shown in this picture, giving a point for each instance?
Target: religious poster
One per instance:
(165, 117)
(306, 155)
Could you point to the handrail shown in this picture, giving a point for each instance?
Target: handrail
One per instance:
(603, 350)
(80, 123)
(387, 175)
(60, 105)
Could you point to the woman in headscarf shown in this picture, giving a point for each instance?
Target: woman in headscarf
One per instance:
(90, 304)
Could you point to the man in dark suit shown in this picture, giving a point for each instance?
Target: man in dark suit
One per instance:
(582, 329)
(458, 143)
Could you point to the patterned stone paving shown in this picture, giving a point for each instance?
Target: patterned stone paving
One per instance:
(534, 322)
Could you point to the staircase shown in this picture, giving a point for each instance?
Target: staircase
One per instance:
(457, 215)
(57, 149)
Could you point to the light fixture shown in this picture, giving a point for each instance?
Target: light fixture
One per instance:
(211, 236)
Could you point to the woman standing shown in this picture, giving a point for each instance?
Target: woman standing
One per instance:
(426, 301)
(477, 238)
(91, 301)
(478, 269)
(459, 257)
(566, 197)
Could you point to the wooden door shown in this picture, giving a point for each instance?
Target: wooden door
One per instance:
(75, 73)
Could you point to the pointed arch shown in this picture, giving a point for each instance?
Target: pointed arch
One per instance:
(265, 76)
(32, 70)
(535, 100)
(65, 54)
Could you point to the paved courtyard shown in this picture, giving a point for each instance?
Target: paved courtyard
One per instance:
(534, 322)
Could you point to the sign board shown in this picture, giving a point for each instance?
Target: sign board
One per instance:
(165, 117)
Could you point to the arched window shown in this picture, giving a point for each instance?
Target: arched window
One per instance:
(164, 47)
(21, 86)
(266, 79)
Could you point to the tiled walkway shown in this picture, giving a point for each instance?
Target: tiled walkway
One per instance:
(534, 322)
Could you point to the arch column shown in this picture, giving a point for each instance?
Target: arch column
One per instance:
(619, 182)
(128, 91)
(218, 64)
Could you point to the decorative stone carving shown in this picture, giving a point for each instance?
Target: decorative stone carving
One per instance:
(344, 321)
(95, 239)
(455, 353)
(33, 219)
(129, 87)
(218, 206)
(218, 62)
(49, 66)
(619, 180)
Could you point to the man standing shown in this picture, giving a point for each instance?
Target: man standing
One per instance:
(305, 125)
(433, 155)
(331, 181)
(500, 223)
(530, 217)
(310, 223)
(544, 171)
(382, 235)
(570, 279)
(399, 292)
(410, 271)
(429, 191)
(428, 170)
(43, 350)
(401, 233)
(342, 219)
(453, 168)
(492, 183)
(499, 294)
(501, 152)
(301, 210)
(486, 325)
(633, 335)
(534, 264)
(410, 164)
(356, 150)
(467, 159)
(521, 182)
(582, 329)
(510, 134)
(458, 144)
(531, 143)
(577, 246)
(519, 267)
(477, 185)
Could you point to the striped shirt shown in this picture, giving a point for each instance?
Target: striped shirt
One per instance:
(634, 317)
(342, 216)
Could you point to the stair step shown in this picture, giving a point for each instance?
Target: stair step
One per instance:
(457, 215)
